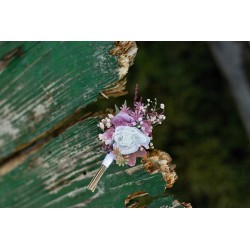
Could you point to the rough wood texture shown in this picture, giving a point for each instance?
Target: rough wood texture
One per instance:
(49, 149)
(58, 175)
(47, 83)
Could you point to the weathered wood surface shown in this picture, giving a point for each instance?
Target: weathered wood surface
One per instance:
(47, 83)
(49, 149)
(58, 175)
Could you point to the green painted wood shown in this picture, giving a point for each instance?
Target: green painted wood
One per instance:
(58, 175)
(46, 83)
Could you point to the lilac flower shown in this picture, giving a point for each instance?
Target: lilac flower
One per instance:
(107, 136)
(122, 119)
(136, 115)
(132, 157)
(146, 127)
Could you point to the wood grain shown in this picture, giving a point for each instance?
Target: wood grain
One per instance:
(48, 82)
(58, 175)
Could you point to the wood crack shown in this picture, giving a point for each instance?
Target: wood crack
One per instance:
(23, 151)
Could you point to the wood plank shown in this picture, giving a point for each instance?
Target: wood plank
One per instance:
(58, 175)
(47, 83)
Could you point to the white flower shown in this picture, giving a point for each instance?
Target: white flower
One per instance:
(162, 106)
(101, 125)
(100, 137)
(110, 116)
(129, 139)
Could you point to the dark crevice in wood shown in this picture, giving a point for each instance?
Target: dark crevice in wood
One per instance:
(9, 57)
(25, 150)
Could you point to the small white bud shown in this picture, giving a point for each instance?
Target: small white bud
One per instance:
(101, 125)
(110, 116)
(162, 106)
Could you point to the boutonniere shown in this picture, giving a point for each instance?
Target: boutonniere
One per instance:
(127, 135)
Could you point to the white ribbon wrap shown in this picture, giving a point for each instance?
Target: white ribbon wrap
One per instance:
(108, 159)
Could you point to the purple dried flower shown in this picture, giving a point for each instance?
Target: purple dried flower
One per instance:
(107, 136)
(146, 127)
(122, 119)
(132, 157)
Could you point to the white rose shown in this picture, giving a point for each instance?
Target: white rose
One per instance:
(129, 139)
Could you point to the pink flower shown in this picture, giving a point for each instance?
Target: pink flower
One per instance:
(146, 128)
(136, 115)
(122, 119)
(107, 136)
(132, 157)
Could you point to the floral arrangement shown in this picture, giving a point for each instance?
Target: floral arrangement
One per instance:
(128, 133)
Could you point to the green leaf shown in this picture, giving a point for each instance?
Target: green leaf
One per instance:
(116, 109)
(125, 104)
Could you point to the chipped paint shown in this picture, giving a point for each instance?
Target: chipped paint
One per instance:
(126, 53)
(176, 203)
(6, 128)
(39, 110)
(116, 89)
(186, 204)
(100, 191)
(132, 200)
(9, 57)
(67, 195)
(132, 170)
